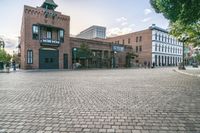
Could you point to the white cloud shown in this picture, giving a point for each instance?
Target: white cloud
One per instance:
(147, 11)
(10, 43)
(122, 19)
(118, 31)
(146, 19)
(132, 25)
(124, 23)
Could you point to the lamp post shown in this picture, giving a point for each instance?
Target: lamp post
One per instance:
(183, 38)
(74, 50)
(114, 59)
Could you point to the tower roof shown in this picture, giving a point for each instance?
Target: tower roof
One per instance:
(49, 4)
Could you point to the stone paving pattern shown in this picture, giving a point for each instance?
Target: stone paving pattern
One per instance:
(99, 101)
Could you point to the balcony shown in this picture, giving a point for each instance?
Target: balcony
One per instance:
(49, 42)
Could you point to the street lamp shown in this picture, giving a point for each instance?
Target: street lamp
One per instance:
(114, 59)
(74, 49)
(183, 38)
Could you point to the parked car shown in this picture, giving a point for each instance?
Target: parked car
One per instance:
(195, 64)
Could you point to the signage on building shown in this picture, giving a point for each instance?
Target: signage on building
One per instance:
(118, 48)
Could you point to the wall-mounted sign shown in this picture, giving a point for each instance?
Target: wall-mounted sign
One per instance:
(118, 48)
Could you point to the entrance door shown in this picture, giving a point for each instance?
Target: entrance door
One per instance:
(65, 61)
(48, 59)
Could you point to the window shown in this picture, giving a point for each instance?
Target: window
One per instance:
(61, 35)
(136, 39)
(140, 48)
(129, 41)
(48, 35)
(156, 47)
(35, 29)
(156, 36)
(140, 38)
(136, 49)
(123, 41)
(30, 57)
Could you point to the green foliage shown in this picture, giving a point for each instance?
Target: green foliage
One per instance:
(197, 57)
(192, 30)
(16, 58)
(184, 16)
(130, 56)
(84, 52)
(186, 11)
(4, 57)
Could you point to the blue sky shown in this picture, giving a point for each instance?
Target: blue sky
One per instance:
(119, 16)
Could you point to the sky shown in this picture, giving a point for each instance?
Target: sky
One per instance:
(118, 16)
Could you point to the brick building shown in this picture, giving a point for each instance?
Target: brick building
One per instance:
(46, 44)
(153, 45)
(44, 37)
(103, 54)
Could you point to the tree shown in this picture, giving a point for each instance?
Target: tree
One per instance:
(184, 16)
(186, 11)
(4, 56)
(2, 44)
(84, 52)
(16, 58)
(197, 57)
(129, 56)
(192, 30)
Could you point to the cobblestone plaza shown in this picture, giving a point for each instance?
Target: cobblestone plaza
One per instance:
(92, 101)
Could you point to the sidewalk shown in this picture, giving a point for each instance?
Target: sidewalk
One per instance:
(191, 71)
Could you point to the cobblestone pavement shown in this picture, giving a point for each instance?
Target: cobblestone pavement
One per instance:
(123, 101)
(195, 71)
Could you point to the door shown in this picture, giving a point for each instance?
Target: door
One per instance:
(48, 59)
(65, 61)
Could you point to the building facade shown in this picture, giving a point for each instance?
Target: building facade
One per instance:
(44, 38)
(103, 54)
(93, 32)
(153, 45)
(45, 42)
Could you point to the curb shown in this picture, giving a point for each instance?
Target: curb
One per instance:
(186, 73)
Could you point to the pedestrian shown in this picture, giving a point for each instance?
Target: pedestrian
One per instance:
(14, 65)
(145, 64)
(149, 64)
(153, 65)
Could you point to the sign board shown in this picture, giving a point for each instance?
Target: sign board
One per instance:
(118, 48)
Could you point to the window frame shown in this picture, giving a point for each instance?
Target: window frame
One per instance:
(29, 59)
(35, 35)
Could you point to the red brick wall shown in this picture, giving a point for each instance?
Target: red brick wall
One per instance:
(146, 43)
(32, 16)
